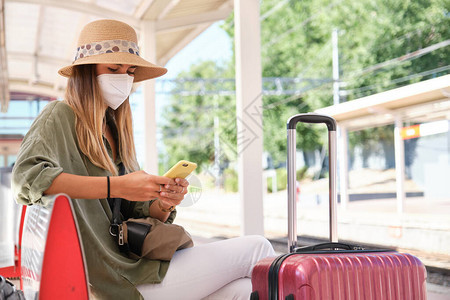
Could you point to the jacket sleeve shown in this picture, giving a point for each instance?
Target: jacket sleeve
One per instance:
(34, 171)
(45, 152)
(141, 210)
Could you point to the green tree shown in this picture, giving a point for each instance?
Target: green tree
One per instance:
(296, 42)
(189, 128)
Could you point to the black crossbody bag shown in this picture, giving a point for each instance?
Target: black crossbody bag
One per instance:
(145, 237)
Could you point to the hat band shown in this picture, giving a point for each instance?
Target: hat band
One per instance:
(109, 46)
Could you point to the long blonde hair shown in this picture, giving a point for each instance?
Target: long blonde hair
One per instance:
(83, 95)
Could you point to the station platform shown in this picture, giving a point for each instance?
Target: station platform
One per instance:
(216, 216)
(422, 230)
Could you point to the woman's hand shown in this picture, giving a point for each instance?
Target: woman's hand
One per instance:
(136, 186)
(141, 186)
(173, 194)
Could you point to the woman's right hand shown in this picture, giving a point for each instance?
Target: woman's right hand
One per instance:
(138, 186)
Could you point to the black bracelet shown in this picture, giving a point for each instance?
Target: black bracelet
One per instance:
(109, 185)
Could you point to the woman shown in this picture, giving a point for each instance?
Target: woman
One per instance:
(73, 146)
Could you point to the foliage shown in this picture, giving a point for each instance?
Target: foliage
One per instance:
(282, 178)
(377, 139)
(301, 173)
(190, 129)
(231, 182)
(375, 40)
(296, 42)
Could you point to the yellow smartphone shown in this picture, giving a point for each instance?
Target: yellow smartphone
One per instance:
(181, 169)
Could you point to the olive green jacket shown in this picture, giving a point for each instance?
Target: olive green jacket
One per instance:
(50, 148)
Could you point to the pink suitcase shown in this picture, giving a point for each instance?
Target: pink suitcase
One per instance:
(333, 270)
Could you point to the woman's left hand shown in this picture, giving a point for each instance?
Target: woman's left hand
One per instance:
(172, 195)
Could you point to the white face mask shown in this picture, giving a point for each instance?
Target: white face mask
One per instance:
(115, 88)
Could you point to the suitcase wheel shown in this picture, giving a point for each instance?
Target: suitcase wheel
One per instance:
(254, 295)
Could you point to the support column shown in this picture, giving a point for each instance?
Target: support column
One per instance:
(448, 141)
(399, 164)
(249, 114)
(148, 51)
(343, 166)
(334, 42)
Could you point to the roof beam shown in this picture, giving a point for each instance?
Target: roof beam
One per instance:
(169, 6)
(40, 24)
(59, 82)
(416, 93)
(192, 20)
(142, 8)
(182, 43)
(411, 101)
(200, 27)
(82, 7)
(159, 9)
(41, 58)
(19, 85)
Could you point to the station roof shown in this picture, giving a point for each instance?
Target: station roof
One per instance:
(420, 102)
(40, 35)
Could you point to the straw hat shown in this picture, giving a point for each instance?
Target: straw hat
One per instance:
(111, 42)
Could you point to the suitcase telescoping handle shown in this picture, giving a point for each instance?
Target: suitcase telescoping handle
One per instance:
(292, 181)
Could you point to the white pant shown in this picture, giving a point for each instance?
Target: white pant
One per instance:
(218, 270)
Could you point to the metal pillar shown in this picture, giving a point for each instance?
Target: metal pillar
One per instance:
(249, 114)
(148, 94)
(342, 131)
(334, 41)
(448, 141)
(216, 143)
(343, 166)
(399, 164)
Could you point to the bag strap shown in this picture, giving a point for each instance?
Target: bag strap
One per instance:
(116, 219)
(115, 229)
